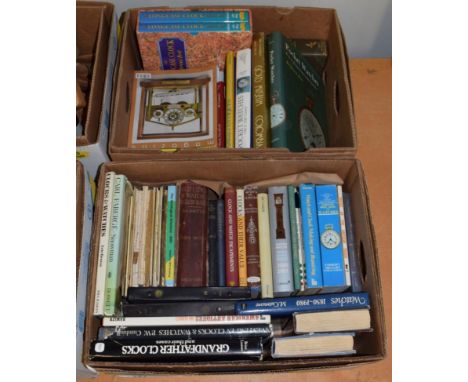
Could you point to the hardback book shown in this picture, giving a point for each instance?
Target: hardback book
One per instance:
(315, 51)
(243, 99)
(313, 345)
(212, 244)
(185, 16)
(251, 234)
(192, 257)
(230, 223)
(230, 99)
(104, 235)
(163, 238)
(127, 274)
(185, 332)
(241, 239)
(297, 98)
(266, 273)
(180, 308)
(294, 237)
(310, 236)
(260, 104)
(331, 246)
(335, 321)
(221, 109)
(281, 307)
(137, 238)
(220, 242)
(173, 350)
(280, 236)
(190, 321)
(344, 238)
(190, 27)
(157, 236)
(169, 270)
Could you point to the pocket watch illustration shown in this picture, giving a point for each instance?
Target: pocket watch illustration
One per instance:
(330, 239)
(311, 131)
(277, 112)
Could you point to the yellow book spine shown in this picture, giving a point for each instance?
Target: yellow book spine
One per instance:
(241, 243)
(230, 101)
(266, 272)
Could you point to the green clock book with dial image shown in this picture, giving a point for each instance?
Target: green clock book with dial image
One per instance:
(297, 98)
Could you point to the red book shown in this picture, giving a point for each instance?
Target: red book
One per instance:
(230, 221)
(192, 256)
(251, 233)
(221, 114)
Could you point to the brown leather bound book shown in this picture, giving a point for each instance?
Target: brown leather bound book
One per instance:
(251, 230)
(193, 236)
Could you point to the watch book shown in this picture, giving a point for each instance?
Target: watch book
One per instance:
(163, 309)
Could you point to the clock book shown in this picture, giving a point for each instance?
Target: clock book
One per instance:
(297, 98)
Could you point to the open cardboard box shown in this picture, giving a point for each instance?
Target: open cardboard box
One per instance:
(370, 346)
(299, 22)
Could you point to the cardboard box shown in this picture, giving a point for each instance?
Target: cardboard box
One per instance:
(370, 346)
(96, 34)
(312, 23)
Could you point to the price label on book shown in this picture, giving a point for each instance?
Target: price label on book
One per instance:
(82, 154)
(143, 76)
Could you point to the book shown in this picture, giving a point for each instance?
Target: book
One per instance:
(192, 258)
(230, 223)
(142, 248)
(163, 238)
(194, 27)
(190, 321)
(313, 345)
(354, 263)
(220, 241)
(205, 16)
(172, 350)
(243, 136)
(302, 264)
(127, 275)
(315, 51)
(344, 238)
(230, 99)
(266, 273)
(221, 109)
(260, 107)
(156, 278)
(241, 244)
(212, 244)
(294, 237)
(104, 244)
(163, 309)
(138, 265)
(335, 321)
(310, 236)
(331, 246)
(280, 307)
(297, 98)
(169, 270)
(283, 283)
(251, 228)
(148, 241)
(154, 294)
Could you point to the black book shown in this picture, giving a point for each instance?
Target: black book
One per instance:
(167, 309)
(144, 295)
(140, 350)
(212, 244)
(221, 243)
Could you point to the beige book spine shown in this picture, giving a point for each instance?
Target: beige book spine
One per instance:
(344, 238)
(156, 275)
(127, 274)
(266, 272)
(149, 231)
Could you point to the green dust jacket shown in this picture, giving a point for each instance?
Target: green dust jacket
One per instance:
(297, 98)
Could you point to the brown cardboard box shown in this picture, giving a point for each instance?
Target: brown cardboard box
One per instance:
(293, 22)
(370, 346)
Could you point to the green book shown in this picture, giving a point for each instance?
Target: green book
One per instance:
(297, 98)
(294, 237)
(169, 271)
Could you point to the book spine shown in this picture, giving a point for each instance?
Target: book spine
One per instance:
(212, 244)
(177, 350)
(232, 262)
(261, 112)
(115, 246)
(230, 99)
(214, 320)
(266, 273)
(241, 245)
(194, 27)
(302, 264)
(156, 279)
(331, 247)
(148, 250)
(136, 236)
(278, 307)
(185, 332)
(280, 234)
(310, 235)
(129, 244)
(294, 237)
(354, 264)
(163, 238)
(163, 309)
(344, 238)
(221, 243)
(144, 204)
(243, 99)
(193, 236)
(169, 271)
(251, 227)
(162, 17)
(221, 110)
(104, 244)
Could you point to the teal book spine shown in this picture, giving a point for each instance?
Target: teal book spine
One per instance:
(194, 27)
(115, 246)
(168, 17)
(169, 271)
(294, 237)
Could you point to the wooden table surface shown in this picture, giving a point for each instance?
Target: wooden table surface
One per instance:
(372, 90)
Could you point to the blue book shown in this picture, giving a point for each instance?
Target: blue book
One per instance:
(166, 17)
(331, 246)
(195, 27)
(310, 237)
(278, 307)
(221, 243)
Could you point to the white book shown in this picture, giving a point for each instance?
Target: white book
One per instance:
(104, 244)
(243, 136)
(344, 239)
(186, 320)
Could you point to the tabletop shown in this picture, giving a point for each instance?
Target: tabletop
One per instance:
(372, 90)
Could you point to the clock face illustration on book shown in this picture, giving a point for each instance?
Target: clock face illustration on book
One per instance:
(330, 239)
(277, 114)
(311, 131)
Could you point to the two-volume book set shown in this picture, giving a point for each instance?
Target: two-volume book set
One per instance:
(193, 270)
